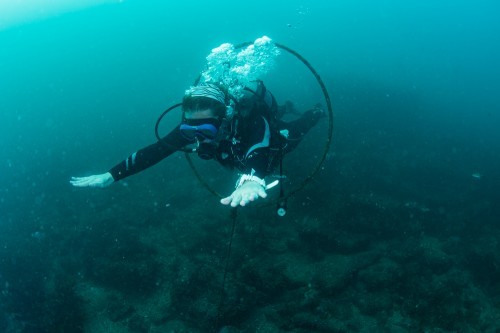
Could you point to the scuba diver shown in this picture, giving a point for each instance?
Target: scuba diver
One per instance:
(239, 125)
(253, 141)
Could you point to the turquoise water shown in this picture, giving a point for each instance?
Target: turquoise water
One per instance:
(408, 189)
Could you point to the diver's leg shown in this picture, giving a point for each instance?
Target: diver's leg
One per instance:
(287, 108)
(298, 128)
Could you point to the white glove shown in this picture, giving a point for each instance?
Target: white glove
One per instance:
(102, 180)
(249, 191)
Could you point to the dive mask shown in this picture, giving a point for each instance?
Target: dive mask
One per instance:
(199, 129)
(203, 132)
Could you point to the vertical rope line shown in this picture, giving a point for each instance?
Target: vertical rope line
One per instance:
(234, 215)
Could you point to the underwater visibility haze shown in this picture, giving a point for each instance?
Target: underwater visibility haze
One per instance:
(397, 232)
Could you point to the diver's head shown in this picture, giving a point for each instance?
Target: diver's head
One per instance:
(204, 101)
(204, 107)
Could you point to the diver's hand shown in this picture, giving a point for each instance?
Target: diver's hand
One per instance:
(102, 180)
(249, 191)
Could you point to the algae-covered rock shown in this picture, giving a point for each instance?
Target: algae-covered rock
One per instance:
(331, 274)
(382, 274)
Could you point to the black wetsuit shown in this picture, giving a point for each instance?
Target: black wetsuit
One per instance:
(253, 143)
